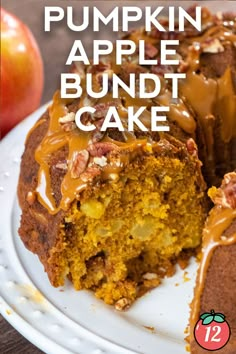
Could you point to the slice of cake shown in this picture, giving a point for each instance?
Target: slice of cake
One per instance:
(112, 214)
(216, 280)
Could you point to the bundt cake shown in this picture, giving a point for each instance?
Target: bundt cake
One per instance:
(114, 211)
(216, 280)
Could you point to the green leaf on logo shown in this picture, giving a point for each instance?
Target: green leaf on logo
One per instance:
(218, 318)
(208, 320)
(204, 315)
(220, 314)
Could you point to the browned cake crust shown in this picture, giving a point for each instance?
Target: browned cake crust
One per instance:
(39, 229)
(217, 287)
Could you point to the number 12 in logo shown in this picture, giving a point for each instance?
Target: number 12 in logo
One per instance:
(212, 331)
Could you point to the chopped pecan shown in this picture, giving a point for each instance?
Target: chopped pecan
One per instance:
(68, 127)
(155, 33)
(85, 118)
(100, 161)
(78, 68)
(102, 109)
(150, 50)
(149, 276)
(192, 147)
(183, 66)
(94, 69)
(68, 122)
(226, 194)
(100, 77)
(212, 45)
(122, 304)
(97, 134)
(61, 166)
(130, 68)
(69, 117)
(79, 163)
(101, 149)
(161, 69)
(90, 173)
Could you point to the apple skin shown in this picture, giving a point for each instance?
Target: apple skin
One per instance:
(21, 72)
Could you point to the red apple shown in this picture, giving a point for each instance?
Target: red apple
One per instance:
(21, 72)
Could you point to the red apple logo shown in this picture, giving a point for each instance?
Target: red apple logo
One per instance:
(212, 331)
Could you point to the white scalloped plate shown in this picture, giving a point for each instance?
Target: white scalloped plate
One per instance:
(63, 320)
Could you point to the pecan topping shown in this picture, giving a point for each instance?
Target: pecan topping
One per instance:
(69, 117)
(68, 127)
(155, 33)
(100, 161)
(192, 147)
(130, 68)
(101, 149)
(102, 109)
(97, 133)
(61, 166)
(79, 163)
(78, 68)
(94, 69)
(122, 304)
(149, 276)
(212, 46)
(86, 118)
(183, 66)
(68, 122)
(90, 173)
(150, 50)
(161, 69)
(226, 194)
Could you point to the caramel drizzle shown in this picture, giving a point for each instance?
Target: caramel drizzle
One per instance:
(77, 140)
(55, 139)
(211, 97)
(213, 236)
(201, 93)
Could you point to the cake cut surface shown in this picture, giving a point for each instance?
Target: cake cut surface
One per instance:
(121, 235)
